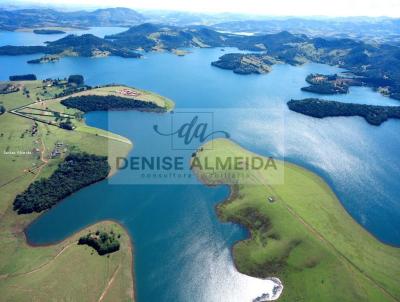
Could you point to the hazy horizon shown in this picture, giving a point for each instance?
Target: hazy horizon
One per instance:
(267, 8)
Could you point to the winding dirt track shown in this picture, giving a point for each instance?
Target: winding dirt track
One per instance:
(110, 282)
(44, 264)
(326, 241)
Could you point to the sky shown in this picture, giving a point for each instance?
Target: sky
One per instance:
(373, 8)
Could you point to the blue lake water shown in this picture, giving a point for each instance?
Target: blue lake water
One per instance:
(181, 249)
(32, 39)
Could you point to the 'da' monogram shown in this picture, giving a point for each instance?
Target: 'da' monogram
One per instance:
(192, 130)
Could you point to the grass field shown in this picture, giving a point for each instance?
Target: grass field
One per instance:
(139, 94)
(72, 272)
(63, 271)
(302, 234)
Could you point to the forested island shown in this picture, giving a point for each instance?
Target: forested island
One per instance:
(48, 31)
(245, 64)
(77, 171)
(45, 59)
(330, 84)
(374, 115)
(103, 242)
(87, 103)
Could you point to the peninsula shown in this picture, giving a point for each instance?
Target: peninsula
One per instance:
(299, 232)
(48, 31)
(37, 155)
(374, 115)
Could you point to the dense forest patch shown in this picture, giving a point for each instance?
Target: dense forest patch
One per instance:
(374, 115)
(103, 242)
(77, 171)
(88, 103)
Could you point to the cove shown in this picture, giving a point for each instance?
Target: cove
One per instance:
(182, 251)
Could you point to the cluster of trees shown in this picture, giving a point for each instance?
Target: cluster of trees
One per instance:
(374, 115)
(67, 125)
(23, 77)
(48, 31)
(77, 171)
(71, 90)
(103, 242)
(8, 88)
(76, 79)
(88, 103)
(327, 88)
(2, 109)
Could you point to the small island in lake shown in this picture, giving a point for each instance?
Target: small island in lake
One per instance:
(329, 84)
(48, 31)
(245, 63)
(374, 115)
(45, 59)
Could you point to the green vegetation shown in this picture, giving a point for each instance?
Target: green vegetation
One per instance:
(68, 270)
(2, 109)
(8, 88)
(45, 59)
(131, 93)
(245, 64)
(76, 79)
(39, 18)
(68, 125)
(375, 64)
(300, 233)
(86, 45)
(87, 103)
(374, 115)
(35, 149)
(103, 242)
(24, 77)
(329, 84)
(27, 154)
(48, 31)
(77, 171)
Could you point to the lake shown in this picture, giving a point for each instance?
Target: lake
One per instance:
(182, 251)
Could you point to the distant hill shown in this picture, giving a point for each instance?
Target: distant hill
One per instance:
(377, 64)
(379, 29)
(86, 45)
(157, 36)
(34, 18)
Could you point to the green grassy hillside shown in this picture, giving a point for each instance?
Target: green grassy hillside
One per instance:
(75, 273)
(301, 233)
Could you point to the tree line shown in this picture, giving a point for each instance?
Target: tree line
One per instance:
(77, 171)
(103, 242)
(88, 103)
